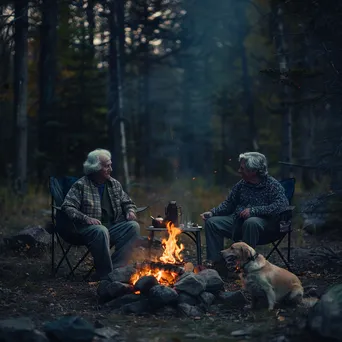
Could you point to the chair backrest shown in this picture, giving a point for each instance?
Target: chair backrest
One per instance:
(59, 187)
(289, 185)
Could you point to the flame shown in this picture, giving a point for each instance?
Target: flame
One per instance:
(171, 255)
(172, 251)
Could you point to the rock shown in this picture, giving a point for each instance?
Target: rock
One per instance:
(207, 298)
(232, 299)
(161, 295)
(238, 333)
(123, 300)
(213, 281)
(192, 284)
(189, 310)
(183, 297)
(122, 274)
(31, 237)
(102, 291)
(326, 316)
(116, 289)
(106, 332)
(20, 329)
(137, 308)
(70, 329)
(145, 283)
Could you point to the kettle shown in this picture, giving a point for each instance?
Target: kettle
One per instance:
(173, 212)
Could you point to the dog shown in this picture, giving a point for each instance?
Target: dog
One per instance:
(259, 276)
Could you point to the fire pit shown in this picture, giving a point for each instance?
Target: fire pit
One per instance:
(167, 283)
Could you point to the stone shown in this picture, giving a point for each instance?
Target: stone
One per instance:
(145, 283)
(122, 274)
(232, 299)
(326, 316)
(123, 300)
(138, 308)
(161, 295)
(116, 289)
(31, 237)
(189, 310)
(102, 291)
(191, 284)
(106, 332)
(213, 281)
(70, 329)
(20, 329)
(207, 298)
(183, 297)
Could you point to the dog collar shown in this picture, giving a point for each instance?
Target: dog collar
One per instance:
(251, 258)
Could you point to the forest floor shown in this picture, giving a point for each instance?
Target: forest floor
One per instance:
(27, 289)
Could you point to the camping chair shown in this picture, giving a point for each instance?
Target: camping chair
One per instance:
(63, 228)
(285, 226)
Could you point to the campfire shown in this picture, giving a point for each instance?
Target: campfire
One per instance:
(167, 268)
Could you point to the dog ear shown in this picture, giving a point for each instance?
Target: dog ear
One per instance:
(245, 253)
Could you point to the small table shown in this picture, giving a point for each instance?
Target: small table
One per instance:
(194, 233)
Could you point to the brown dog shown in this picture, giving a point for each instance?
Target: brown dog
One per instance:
(260, 276)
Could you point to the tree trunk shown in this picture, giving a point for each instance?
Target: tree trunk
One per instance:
(20, 93)
(144, 99)
(47, 82)
(246, 80)
(116, 101)
(91, 27)
(282, 52)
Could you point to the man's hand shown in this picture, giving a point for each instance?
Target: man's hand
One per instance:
(93, 221)
(246, 213)
(131, 216)
(206, 215)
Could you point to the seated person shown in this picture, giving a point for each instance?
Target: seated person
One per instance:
(103, 213)
(251, 208)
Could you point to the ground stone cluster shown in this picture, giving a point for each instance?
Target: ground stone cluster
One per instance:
(192, 295)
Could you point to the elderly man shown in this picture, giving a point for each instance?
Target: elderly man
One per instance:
(250, 209)
(103, 213)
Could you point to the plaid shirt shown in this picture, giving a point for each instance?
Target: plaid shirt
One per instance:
(83, 201)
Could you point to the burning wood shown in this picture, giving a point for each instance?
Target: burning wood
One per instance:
(167, 270)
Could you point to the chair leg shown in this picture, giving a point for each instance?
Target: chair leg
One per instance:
(65, 255)
(199, 248)
(150, 242)
(72, 273)
(53, 273)
(275, 246)
(289, 247)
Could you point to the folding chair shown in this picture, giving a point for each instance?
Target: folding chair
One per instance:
(63, 228)
(285, 225)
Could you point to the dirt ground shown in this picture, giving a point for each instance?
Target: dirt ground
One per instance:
(27, 289)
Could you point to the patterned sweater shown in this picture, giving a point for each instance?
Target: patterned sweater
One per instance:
(265, 199)
(83, 200)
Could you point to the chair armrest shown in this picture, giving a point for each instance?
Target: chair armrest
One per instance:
(287, 213)
(141, 209)
(57, 208)
(290, 208)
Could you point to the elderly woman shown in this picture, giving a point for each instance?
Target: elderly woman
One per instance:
(249, 210)
(103, 213)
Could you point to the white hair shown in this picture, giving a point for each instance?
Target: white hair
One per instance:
(93, 161)
(255, 161)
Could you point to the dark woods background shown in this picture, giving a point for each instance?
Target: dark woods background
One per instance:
(176, 89)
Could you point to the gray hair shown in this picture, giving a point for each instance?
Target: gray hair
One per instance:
(93, 162)
(255, 161)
